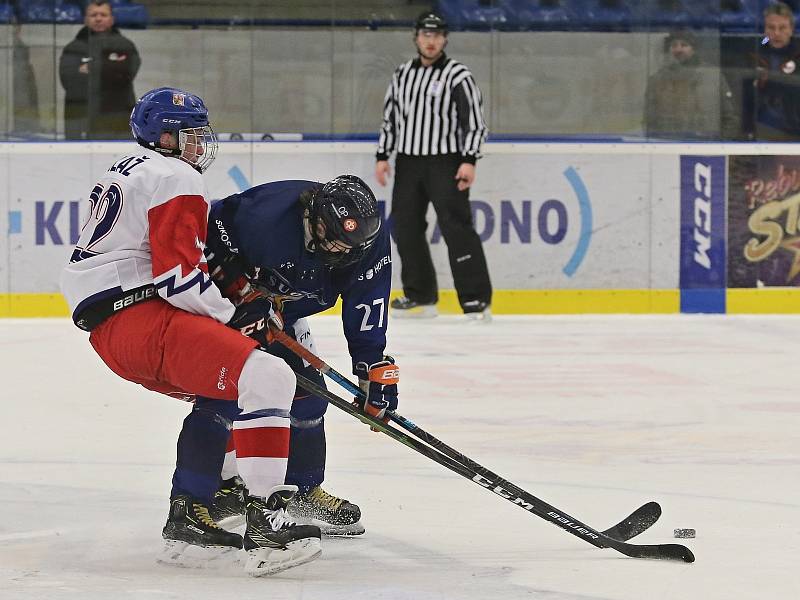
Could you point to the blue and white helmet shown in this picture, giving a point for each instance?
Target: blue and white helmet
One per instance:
(170, 110)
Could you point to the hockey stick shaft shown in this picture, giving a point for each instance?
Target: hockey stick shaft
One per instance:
(637, 522)
(505, 489)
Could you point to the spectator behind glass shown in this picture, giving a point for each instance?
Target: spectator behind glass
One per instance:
(97, 69)
(772, 100)
(687, 99)
(26, 95)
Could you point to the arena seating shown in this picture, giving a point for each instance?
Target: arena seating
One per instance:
(48, 11)
(603, 15)
(6, 13)
(606, 15)
(727, 16)
(126, 14)
(734, 15)
(540, 15)
(130, 14)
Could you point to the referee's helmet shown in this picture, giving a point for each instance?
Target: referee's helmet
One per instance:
(430, 21)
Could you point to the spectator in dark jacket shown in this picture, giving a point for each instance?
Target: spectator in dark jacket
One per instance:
(26, 95)
(97, 69)
(687, 99)
(772, 100)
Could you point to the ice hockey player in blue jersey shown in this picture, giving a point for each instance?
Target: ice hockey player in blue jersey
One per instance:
(303, 245)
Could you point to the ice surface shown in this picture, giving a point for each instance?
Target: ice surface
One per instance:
(596, 415)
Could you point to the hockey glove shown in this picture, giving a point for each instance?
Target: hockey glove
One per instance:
(231, 275)
(256, 319)
(379, 382)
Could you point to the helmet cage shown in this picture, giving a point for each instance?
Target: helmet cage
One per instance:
(331, 244)
(194, 138)
(335, 254)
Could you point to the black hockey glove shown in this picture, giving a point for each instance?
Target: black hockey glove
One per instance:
(256, 318)
(231, 275)
(379, 382)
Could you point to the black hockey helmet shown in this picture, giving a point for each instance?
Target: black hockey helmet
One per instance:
(343, 220)
(430, 21)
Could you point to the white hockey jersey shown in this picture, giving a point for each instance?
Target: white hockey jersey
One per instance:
(147, 224)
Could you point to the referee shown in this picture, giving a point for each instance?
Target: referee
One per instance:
(433, 119)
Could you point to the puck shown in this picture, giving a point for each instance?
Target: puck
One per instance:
(684, 533)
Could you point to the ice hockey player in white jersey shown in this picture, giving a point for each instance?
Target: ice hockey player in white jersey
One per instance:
(137, 282)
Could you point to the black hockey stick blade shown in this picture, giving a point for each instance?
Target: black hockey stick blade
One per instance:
(637, 522)
(654, 551)
(505, 489)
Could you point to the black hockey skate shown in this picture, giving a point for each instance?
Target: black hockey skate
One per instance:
(476, 311)
(273, 542)
(334, 516)
(192, 538)
(228, 506)
(404, 308)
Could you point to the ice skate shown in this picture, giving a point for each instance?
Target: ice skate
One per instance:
(228, 507)
(272, 541)
(334, 516)
(193, 539)
(476, 311)
(403, 308)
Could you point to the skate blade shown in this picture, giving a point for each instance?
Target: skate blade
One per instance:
(268, 561)
(328, 529)
(477, 318)
(189, 556)
(232, 522)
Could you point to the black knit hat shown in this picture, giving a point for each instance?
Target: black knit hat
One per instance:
(680, 34)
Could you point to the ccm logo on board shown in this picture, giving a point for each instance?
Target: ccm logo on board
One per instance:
(702, 214)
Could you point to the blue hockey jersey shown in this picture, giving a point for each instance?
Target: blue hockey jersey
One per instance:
(264, 226)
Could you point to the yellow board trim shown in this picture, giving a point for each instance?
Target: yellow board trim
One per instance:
(504, 302)
(33, 305)
(763, 300)
(511, 302)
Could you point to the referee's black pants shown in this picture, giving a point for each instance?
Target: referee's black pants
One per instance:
(419, 180)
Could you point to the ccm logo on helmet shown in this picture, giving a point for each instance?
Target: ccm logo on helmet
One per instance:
(349, 224)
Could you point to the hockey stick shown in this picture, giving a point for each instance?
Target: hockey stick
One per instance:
(634, 524)
(505, 489)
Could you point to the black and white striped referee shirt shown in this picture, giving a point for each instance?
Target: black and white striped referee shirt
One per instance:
(432, 110)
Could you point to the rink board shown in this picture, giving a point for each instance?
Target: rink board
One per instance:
(567, 228)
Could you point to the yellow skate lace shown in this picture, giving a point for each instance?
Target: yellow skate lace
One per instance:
(324, 498)
(202, 514)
